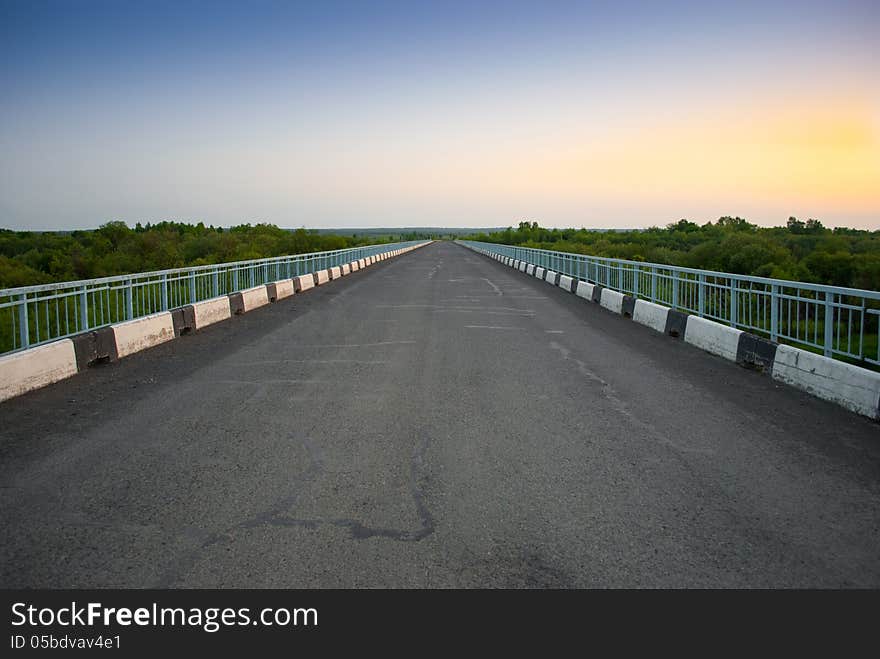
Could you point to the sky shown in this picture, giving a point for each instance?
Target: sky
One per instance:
(356, 114)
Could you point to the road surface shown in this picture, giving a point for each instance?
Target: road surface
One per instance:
(438, 420)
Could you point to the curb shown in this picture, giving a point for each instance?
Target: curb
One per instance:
(52, 362)
(852, 387)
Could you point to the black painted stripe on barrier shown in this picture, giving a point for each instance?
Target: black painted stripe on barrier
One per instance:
(94, 347)
(183, 319)
(597, 294)
(85, 349)
(629, 306)
(236, 304)
(574, 285)
(556, 277)
(755, 352)
(676, 322)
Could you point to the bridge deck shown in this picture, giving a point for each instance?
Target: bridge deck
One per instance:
(437, 420)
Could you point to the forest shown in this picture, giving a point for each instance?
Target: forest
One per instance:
(28, 258)
(800, 250)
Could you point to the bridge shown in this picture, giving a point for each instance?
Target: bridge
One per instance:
(436, 419)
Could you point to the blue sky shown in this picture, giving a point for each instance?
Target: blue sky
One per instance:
(457, 114)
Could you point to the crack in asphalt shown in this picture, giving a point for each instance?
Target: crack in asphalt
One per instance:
(276, 515)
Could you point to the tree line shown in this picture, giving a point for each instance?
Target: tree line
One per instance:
(28, 257)
(800, 251)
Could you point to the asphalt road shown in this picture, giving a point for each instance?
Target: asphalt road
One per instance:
(438, 420)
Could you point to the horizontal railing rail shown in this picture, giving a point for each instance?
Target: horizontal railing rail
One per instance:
(33, 315)
(834, 321)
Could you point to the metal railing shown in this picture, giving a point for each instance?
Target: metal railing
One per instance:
(834, 321)
(32, 315)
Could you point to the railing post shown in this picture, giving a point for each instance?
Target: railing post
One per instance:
(192, 287)
(636, 275)
(84, 308)
(774, 312)
(653, 283)
(829, 323)
(164, 294)
(734, 315)
(234, 280)
(701, 295)
(129, 300)
(24, 334)
(675, 289)
(215, 277)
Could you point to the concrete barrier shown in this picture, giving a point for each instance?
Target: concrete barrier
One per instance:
(183, 320)
(95, 346)
(345, 269)
(335, 272)
(566, 283)
(321, 277)
(530, 269)
(362, 264)
(36, 367)
(303, 282)
(522, 266)
(756, 352)
(651, 315)
(854, 388)
(550, 277)
(255, 297)
(278, 290)
(713, 337)
(611, 300)
(585, 290)
(142, 333)
(210, 312)
(676, 321)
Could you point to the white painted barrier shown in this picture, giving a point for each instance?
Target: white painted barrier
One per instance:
(650, 314)
(549, 276)
(335, 272)
(710, 336)
(611, 300)
(585, 290)
(210, 311)
(303, 282)
(252, 298)
(345, 268)
(565, 282)
(283, 288)
(142, 333)
(854, 388)
(33, 368)
(321, 277)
